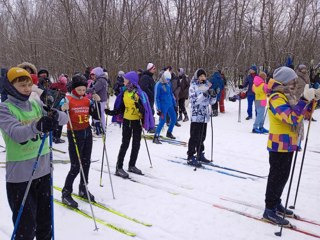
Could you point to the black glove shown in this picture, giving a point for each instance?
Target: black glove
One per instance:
(46, 124)
(111, 112)
(51, 112)
(159, 112)
(212, 92)
(240, 86)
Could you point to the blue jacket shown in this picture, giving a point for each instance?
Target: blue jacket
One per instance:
(249, 82)
(163, 96)
(217, 82)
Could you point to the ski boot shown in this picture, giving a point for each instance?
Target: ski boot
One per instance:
(83, 193)
(270, 215)
(281, 210)
(67, 199)
(169, 135)
(135, 170)
(122, 173)
(202, 158)
(156, 140)
(193, 161)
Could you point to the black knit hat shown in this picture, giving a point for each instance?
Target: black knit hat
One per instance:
(201, 72)
(78, 81)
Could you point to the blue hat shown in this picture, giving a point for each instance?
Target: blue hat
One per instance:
(254, 68)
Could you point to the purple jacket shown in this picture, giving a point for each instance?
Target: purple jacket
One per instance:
(148, 121)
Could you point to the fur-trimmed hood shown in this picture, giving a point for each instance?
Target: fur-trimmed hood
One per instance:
(26, 65)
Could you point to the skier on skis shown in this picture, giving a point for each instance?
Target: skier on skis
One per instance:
(286, 116)
(131, 107)
(22, 124)
(201, 97)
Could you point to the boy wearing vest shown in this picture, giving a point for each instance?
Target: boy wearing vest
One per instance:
(260, 89)
(22, 124)
(80, 108)
(286, 115)
(131, 107)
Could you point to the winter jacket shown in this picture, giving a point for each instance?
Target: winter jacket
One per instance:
(302, 80)
(249, 82)
(184, 87)
(100, 88)
(260, 88)
(283, 120)
(217, 83)
(200, 100)
(147, 84)
(164, 97)
(119, 84)
(19, 137)
(175, 85)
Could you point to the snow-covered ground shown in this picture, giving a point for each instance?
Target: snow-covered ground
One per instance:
(178, 201)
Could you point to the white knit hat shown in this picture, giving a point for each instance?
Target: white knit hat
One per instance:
(150, 66)
(284, 75)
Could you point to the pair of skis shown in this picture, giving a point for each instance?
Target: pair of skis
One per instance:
(103, 207)
(258, 218)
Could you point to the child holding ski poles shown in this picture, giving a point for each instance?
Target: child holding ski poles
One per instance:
(286, 115)
(23, 123)
(79, 108)
(132, 106)
(201, 97)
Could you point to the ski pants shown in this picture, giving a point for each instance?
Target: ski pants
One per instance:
(195, 144)
(173, 119)
(130, 128)
(259, 121)
(35, 220)
(280, 165)
(221, 101)
(250, 103)
(84, 144)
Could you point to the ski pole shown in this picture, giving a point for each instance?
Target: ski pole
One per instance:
(211, 140)
(51, 185)
(105, 151)
(145, 140)
(35, 165)
(81, 170)
(239, 111)
(290, 183)
(303, 155)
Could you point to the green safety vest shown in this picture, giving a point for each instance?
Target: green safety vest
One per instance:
(29, 149)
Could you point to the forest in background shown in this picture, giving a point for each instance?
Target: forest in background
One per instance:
(68, 35)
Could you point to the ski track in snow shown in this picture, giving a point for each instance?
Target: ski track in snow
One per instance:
(178, 201)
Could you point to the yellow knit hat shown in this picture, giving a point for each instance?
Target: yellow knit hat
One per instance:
(16, 72)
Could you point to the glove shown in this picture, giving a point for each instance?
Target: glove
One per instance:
(206, 93)
(240, 86)
(51, 112)
(65, 107)
(140, 107)
(46, 124)
(308, 93)
(317, 93)
(159, 112)
(96, 97)
(212, 92)
(111, 112)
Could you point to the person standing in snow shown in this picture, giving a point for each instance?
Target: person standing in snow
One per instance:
(100, 88)
(183, 94)
(165, 104)
(132, 107)
(260, 90)
(286, 115)
(79, 108)
(248, 82)
(23, 123)
(119, 83)
(217, 86)
(147, 83)
(201, 97)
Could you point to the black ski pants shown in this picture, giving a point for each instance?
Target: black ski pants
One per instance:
(35, 220)
(196, 131)
(280, 165)
(130, 128)
(84, 144)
